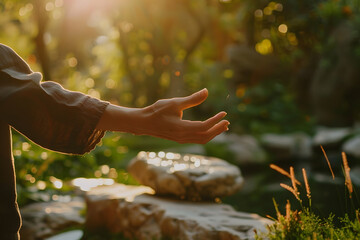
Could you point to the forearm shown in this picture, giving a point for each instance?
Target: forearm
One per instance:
(123, 119)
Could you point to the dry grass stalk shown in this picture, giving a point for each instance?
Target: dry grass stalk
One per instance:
(307, 187)
(290, 189)
(348, 182)
(288, 211)
(328, 162)
(283, 172)
(293, 180)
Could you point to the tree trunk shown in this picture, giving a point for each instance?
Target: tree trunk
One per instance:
(41, 50)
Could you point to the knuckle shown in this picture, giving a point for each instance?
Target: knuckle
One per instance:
(175, 103)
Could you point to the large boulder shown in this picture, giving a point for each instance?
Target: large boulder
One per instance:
(191, 177)
(131, 210)
(45, 219)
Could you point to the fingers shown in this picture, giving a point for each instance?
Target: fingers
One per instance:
(216, 130)
(192, 100)
(204, 137)
(203, 125)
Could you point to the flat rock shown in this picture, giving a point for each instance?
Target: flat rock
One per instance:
(134, 212)
(71, 235)
(191, 177)
(331, 136)
(245, 148)
(284, 146)
(45, 219)
(352, 146)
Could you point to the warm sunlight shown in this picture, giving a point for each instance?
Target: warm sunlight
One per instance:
(145, 118)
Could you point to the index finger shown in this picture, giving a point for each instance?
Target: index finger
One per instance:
(192, 100)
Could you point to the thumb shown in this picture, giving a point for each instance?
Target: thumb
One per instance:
(194, 99)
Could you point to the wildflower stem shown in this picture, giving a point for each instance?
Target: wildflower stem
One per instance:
(290, 189)
(348, 182)
(307, 187)
(292, 176)
(283, 172)
(328, 162)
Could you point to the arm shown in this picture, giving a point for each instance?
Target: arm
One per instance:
(46, 113)
(164, 119)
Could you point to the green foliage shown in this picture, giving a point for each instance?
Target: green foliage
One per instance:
(307, 225)
(269, 107)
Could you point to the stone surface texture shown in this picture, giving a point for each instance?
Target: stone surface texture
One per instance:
(133, 211)
(41, 220)
(191, 177)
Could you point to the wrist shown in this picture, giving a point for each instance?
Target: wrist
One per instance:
(138, 119)
(123, 119)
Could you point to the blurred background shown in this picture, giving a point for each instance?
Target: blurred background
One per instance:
(287, 73)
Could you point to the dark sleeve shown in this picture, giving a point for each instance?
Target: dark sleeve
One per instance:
(46, 113)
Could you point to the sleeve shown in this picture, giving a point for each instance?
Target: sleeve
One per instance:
(46, 113)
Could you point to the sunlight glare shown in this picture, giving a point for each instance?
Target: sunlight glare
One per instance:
(26, 9)
(170, 155)
(258, 13)
(105, 169)
(89, 83)
(283, 28)
(44, 155)
(49, 6)
(180, 166)
(58, 184)
(264, 47)
(86, 184)
(26, 146)
(41, 185)
(161, 154)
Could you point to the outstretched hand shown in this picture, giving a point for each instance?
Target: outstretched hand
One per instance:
(164, 119)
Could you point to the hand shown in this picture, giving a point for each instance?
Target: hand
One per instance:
(165, 120)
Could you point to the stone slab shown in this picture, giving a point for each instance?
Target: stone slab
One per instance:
(135, 212)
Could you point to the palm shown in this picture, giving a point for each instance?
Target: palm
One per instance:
(167, 120)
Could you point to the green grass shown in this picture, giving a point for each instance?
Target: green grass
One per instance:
(306, 223)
